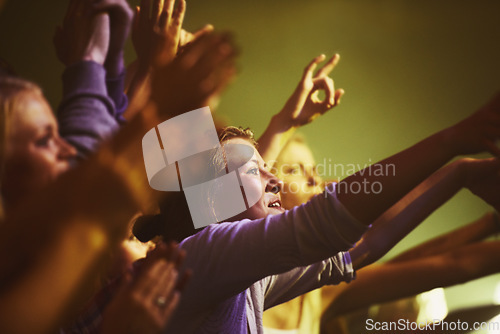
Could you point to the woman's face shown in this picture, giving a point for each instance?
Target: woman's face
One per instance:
(35, 154)
(297, 168)
(257, 180)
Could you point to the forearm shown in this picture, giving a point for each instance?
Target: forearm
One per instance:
(86, 115)
(407, 278)
(471, 233)
(406, 214)
(114, 63)
(274, 138)
(394, 176)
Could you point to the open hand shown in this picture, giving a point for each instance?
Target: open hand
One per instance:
(120, 19)
(84, 35)
(156, 36)
(195, 76)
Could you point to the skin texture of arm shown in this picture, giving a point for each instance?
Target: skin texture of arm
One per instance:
(471, 233)
(412, 209)
(476, 231)
(405, 170)
(403, 279)
(454, 258)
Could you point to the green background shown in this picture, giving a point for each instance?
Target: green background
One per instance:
(409, 68)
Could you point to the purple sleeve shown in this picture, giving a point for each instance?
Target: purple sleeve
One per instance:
(227, 258)
(86, 115)
(116, 91)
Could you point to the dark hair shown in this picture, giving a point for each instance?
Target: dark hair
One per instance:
(174, 220)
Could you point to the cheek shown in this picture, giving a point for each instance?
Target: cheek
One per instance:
(47, 163)
(253, 187)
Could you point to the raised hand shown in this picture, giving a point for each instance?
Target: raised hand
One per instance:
(84, 35)
(301, 108)
(120, 19)
(305, 105)
(156, 36)
(196, 75)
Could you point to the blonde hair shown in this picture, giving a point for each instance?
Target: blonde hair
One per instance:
(12, 91)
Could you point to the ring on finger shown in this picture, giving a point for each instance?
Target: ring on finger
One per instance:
(161, 301)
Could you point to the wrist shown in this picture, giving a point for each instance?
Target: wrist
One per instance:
(96, 58)
(281, 122)
(461, 170)
(444, 140)
(114, 65)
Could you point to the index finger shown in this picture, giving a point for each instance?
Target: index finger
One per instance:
(329, 66)
(312, 66)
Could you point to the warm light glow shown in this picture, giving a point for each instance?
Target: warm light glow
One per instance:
(432, 305)
(496, 295)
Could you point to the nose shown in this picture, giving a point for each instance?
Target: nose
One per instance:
(274, 185)
(66, 150)
(313, 179)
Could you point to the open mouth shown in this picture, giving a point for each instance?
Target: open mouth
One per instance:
(275, 204)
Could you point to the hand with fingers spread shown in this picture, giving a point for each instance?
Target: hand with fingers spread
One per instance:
(120, 19)
(156, 31)
(84, 34)
(156, 34)
(196, 76)
(145, 304)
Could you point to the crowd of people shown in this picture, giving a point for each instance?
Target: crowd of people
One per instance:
(87, 246)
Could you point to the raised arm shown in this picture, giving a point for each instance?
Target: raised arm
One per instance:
(120, 18)
(422, 269)
(86, 115)
(412, 209)
(392, 178)
(407, 278)
(303, 106)
(478, 230)
(44, 280)
(156, 33)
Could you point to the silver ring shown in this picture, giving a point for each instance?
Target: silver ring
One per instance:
(160, 301)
